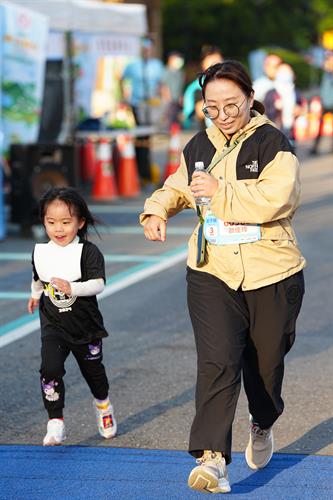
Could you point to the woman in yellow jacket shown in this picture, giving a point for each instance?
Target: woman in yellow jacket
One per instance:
(245, 278)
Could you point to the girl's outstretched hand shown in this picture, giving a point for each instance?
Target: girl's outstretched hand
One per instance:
(32, 305)
(155, 228)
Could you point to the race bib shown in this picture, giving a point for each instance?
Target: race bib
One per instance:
(219, 232)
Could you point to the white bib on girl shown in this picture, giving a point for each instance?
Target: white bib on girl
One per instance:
(54, 261)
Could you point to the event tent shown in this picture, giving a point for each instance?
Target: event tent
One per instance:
(112, 29)
(90, 16)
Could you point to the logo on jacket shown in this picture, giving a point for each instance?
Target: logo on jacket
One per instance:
(253, 167)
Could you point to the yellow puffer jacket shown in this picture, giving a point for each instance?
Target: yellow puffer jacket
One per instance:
(258, 184)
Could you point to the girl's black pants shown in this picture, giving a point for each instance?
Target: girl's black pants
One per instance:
(54, 354)
(239, 333)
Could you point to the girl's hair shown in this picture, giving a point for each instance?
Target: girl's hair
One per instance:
(76, 206)
(233, 71)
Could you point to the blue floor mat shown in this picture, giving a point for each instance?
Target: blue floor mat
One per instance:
(77, 472)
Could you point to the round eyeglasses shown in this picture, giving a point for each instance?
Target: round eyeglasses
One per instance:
(231, 110)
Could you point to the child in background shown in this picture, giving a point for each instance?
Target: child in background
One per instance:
(68, 273)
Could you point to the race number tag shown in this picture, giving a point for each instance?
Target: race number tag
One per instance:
(219, 232)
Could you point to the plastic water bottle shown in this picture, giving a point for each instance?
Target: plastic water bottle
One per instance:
(201, 200)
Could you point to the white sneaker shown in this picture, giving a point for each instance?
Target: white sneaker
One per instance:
(260, 447)
(106, 422)
(55, 434)
(211, 475)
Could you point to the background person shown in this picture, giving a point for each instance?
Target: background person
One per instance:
(283, 103)
(68, 273)
(173, 87)
(245, 297)
(143, 77)
(192, 100)
(326, 97)
(266, 82)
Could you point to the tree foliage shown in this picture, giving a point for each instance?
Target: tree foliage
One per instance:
(239, 26)
(324, 12)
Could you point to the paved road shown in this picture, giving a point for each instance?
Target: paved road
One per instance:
(150, 354)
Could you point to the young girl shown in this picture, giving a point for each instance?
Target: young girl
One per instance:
(68, 273)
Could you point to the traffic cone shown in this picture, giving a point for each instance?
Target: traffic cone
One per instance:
(128, 177)
(104, 187)
(315, 111)
(315, 106)
(328, 124)
(88, 161)
(174, 151)
(301, 128)
(314, 125)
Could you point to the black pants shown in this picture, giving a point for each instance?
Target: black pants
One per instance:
(239, 332)
(54, 354)
(142, 149)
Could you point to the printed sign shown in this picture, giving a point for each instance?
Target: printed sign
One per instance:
(23, 41)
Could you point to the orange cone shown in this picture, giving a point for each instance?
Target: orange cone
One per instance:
(314, 125)
(328, 124)
(88, 161)
(104, 187)
(174, 151)
(315, 106)
(301, 128)
(128, 177)
(315, 111)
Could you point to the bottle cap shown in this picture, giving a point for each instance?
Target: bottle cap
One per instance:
(199, 164)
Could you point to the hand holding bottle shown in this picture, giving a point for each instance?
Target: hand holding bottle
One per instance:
(203, 185)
